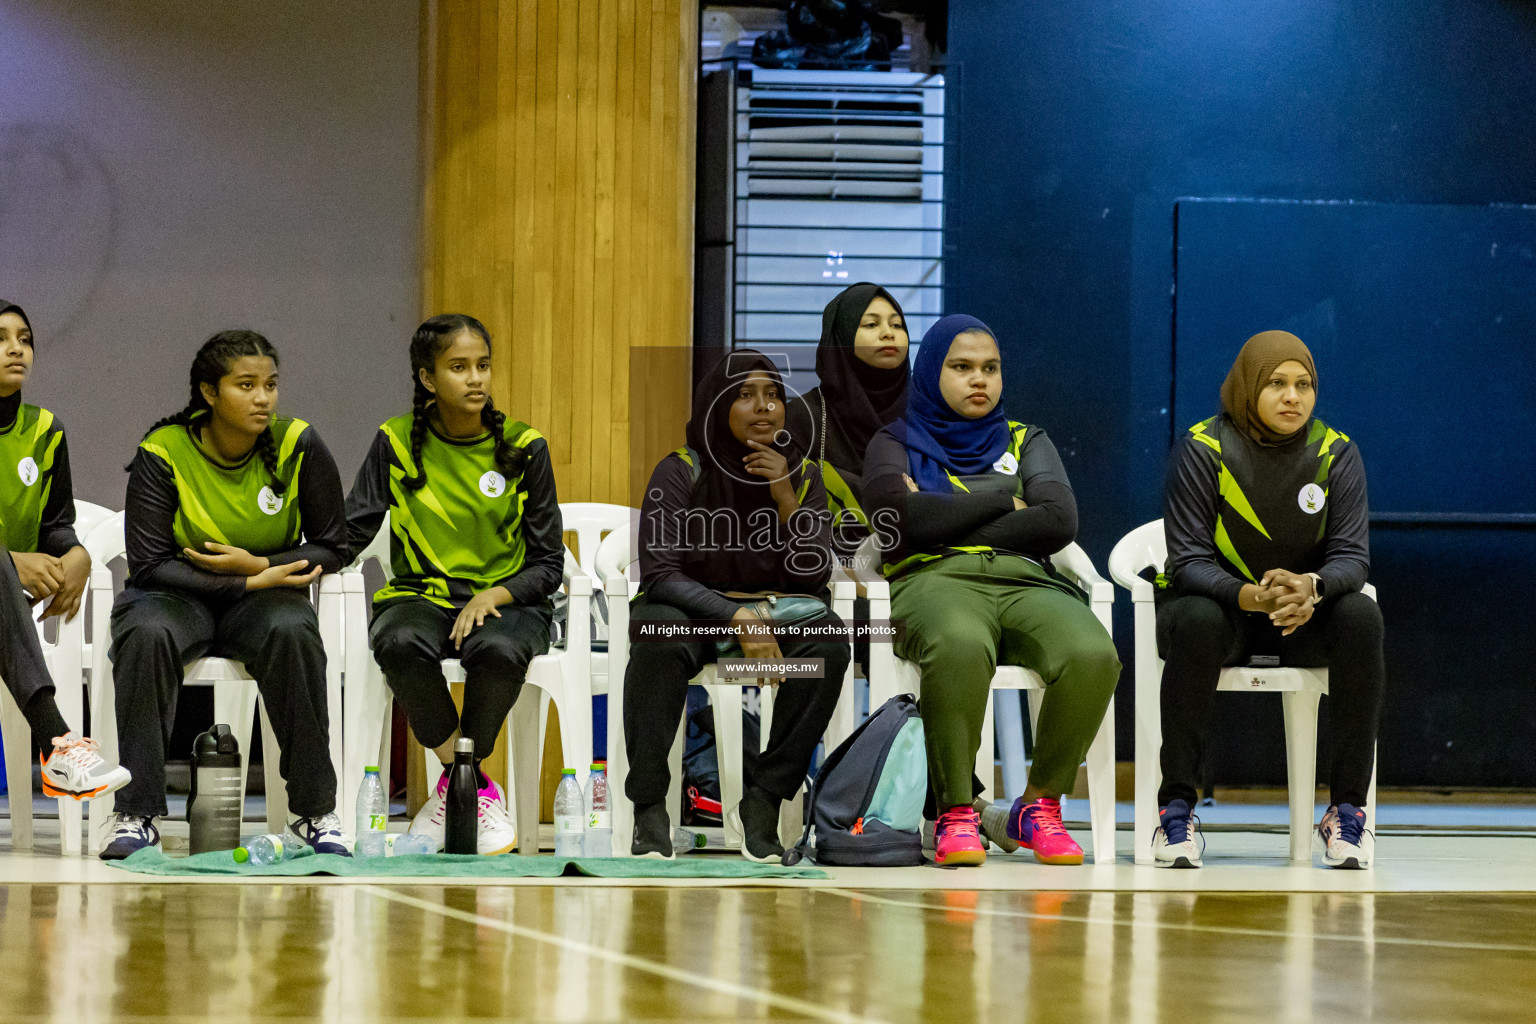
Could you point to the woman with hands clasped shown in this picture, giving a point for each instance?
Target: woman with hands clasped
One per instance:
(736, 516)
(1268, 548)
(232, 512)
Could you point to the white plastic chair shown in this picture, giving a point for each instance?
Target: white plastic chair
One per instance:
(890, 675)
(65, 659)
(1299, 688)
(620, 573)
(236, 697)
(562, 674)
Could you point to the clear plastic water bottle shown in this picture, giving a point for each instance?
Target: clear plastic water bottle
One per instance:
(686, 840)
(411, 844)
(598, 841)
(266, 849)
(372, 814)
(570, 816)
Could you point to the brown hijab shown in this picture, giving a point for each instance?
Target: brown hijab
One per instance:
(1258, 359)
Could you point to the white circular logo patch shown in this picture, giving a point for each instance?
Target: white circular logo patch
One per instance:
(269, 501)
(1006, 464)
(1311, 499)
(27, 470)
(492, 484)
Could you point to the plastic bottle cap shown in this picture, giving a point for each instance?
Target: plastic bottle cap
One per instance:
(600, 766)
(242, 855)
(371, 769)
(568, 771)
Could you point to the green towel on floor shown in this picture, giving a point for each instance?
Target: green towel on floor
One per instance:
(151, 861)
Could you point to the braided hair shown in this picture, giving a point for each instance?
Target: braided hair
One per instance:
(209, 366)
(427, 344)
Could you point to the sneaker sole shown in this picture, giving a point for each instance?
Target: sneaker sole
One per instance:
(57, 793)
(962, 859)
(497, 853)
(1062, 859)
(652, 855)
(1178, 862)
(754, 858)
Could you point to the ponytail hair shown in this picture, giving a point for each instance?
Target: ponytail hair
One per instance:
(426, 345)
(209, 366)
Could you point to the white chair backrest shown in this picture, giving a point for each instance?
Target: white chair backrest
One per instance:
(106, 540)
(88, 516)
(377, 549)
(1144, 546)
(589, 521)
(613, 558)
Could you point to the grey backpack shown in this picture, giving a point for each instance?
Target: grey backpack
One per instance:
(865, 806)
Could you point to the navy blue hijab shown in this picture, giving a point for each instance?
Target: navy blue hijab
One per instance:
(937, 437)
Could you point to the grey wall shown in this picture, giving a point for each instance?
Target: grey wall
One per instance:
(169, 168)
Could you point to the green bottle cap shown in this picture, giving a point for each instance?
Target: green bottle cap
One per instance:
(241, 855)
(371, 769)
(600, 766)
(568, 771)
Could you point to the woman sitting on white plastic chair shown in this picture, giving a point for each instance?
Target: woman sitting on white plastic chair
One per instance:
(232, 512)
(476, 552)
(737, 515)
(978, 503)
(40, 560)
(1267, 528)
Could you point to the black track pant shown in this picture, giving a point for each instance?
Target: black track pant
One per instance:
(656, 689)
(274, 633)
(1198, 637)
(410, 638)
(21, 660)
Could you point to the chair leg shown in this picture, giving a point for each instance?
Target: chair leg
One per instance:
(104, 732)
(234, 704)
(366, 716)
(18, 770)
(1149, 730)
(1300, 708)
(272, 776)
(1370, 799)
(675, 786)
(575, 707)
(726, 699)
(1101, 788)
(523, 762)
(72, 707)
(986, 769)
(1008, 734)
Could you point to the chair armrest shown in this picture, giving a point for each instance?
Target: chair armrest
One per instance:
(616, 586)
(1073, 562)
(870, 584)
(331, 583)
(580, 584)
(843, 587)
(1142, 591)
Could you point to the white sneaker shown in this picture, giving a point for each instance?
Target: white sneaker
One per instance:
(1178, 842)
(1347, 843)
(75, 769)
(495, 834)
(432, 820)
(322, 833)
(129, 833)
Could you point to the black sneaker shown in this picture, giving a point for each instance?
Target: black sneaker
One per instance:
(129, 833)
(653, 832)
(759, 818)
(321, 833)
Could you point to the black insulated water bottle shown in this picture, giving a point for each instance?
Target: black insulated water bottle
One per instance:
(462, 813)
(213, 805)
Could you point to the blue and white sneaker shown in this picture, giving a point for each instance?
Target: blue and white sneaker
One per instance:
(1178, 842)
(1347, 843)
(129, 833)
(322, 834)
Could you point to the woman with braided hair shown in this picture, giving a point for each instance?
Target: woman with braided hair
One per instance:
(232, 512)
(476, 552)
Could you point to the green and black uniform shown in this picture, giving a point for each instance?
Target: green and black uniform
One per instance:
(37, 514)
(972, 584)
(1234, 509)
(181, 496)
(467, 529)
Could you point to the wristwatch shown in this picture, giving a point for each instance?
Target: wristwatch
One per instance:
(1317, 587)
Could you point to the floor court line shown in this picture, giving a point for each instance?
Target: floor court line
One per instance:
(729, 988)
(1481, 947)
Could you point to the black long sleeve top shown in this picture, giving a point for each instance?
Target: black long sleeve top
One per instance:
(1190, 506)
(794, 557)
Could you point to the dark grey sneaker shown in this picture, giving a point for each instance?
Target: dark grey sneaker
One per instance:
(129, 833)
(759, 818)
(994, 824)
(653, 833)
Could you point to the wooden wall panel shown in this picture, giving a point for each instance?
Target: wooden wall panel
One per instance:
(559, 209)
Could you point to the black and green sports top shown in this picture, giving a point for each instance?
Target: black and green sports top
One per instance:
(37, 506)
(1234, 508)
(468, 528)
(181, 496)
(917, 528)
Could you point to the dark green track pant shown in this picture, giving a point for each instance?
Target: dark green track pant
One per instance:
(966, 614)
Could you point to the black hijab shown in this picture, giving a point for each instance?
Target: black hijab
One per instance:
(858, 398)
(723, 483)
(10, 405)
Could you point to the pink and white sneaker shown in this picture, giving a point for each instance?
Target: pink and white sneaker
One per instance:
(1038, 826)
(495, 833)
(957, 839)
(432, 819)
